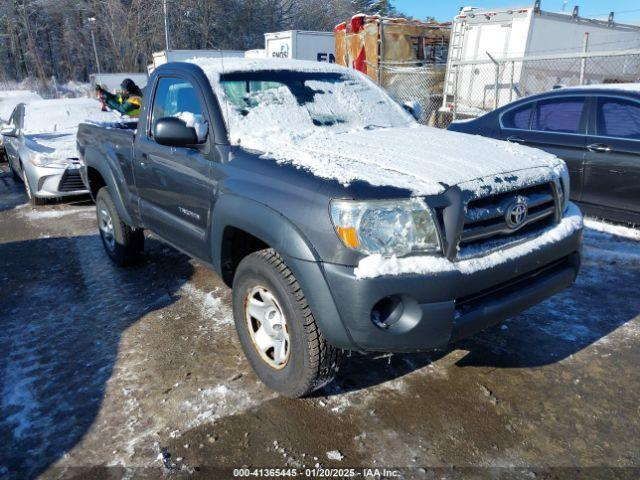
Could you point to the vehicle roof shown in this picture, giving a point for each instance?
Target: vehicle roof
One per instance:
(218, 66)
(614, 87)
(611, 88)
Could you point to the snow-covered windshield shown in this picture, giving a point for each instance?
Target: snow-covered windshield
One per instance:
(298, 104)
(62, 115)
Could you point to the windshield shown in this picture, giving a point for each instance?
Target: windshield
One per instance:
(62, 115)
(296, 104)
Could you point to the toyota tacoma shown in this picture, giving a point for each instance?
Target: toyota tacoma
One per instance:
(338, 221)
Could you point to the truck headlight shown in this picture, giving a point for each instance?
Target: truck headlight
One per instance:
(386, 227)
(40, 160)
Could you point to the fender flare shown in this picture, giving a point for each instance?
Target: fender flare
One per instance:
(102, 164)
(260, 221)
(285, 238)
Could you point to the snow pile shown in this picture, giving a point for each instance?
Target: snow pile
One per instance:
(198, 124)
(351, 130)
(335, 455)
(10, 98)
(377, 266)
(615, 230)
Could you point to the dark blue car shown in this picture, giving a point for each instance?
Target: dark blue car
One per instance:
(595, 129)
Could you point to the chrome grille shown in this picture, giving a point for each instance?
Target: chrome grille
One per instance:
(486, 219)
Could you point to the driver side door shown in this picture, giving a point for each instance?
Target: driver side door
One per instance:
(175, 184)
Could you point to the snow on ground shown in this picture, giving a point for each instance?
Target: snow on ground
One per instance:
(10, 98)
(41, 214)
(612, 229)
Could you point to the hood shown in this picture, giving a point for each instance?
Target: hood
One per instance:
(423, 160)
(60, 145)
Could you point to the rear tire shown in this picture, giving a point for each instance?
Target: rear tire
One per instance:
(265, 287)
(122, 243)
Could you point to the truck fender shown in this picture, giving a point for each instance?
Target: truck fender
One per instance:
(260, 221)
(280, 234)
(105, 166)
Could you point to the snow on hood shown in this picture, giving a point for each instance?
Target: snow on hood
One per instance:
(63, 115)
(370, 137)
(422, 160)
(51, 126)
(60, 144)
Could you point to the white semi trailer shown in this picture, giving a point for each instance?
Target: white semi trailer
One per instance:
(480, 35)
(301, 45)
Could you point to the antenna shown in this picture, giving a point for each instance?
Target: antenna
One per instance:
(576, 11)
(611, 15)
(537, 6)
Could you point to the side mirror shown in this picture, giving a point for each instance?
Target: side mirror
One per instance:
(414, 108)
(9, 132)
(173, 132)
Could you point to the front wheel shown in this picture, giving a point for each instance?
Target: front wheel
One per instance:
(276, 327)
(122, 243)
(32, 198)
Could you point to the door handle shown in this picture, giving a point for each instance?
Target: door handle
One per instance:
(599, 147)
(144, 160)
(515, 140)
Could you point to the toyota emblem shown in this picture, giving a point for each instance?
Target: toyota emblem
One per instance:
(516, 214)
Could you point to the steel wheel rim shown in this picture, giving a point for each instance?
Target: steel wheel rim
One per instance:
(105, 224)
(267, 326)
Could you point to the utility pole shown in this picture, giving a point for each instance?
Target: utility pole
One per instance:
(166, 24)
(583, 63)
(92, 24)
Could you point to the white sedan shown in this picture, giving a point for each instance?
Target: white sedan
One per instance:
(40, 142)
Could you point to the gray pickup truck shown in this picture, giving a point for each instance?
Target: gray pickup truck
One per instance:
(337, 220)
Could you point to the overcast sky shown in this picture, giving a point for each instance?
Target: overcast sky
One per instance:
(626, 10)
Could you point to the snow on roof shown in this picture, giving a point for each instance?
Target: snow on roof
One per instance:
(63, 114)
(216, 66)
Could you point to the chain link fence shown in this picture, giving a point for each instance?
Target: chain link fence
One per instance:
(424, 84)
(473, 88)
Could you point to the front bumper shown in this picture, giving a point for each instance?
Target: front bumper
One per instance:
(443, 307)
(57, 182)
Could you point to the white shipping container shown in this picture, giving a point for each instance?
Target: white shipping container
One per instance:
(527, 32)
(301, 45)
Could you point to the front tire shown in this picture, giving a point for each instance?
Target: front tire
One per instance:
(276, 327)
(32, 198)
(122, 243)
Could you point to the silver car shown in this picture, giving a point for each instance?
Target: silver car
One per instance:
(8, 101)
(40, 142)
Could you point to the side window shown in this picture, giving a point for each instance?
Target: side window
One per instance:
(176, 97)
(518, 118)
(563, 115)
(618, 118)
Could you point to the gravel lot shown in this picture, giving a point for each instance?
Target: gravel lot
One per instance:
(139, 370)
